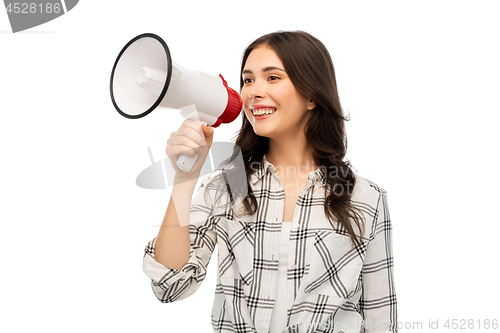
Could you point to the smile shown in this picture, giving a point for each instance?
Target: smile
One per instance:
(263, 111)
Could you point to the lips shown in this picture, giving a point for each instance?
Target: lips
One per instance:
(262, 110)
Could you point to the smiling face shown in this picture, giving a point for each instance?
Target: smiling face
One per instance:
(271, 103)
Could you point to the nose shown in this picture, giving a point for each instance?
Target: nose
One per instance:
(256, 91)
(254, 95)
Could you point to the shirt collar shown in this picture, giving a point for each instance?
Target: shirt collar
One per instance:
(266, 167)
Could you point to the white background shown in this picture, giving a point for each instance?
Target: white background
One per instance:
(419, 79)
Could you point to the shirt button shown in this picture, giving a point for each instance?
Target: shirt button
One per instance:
(294, 266)
(276, 219)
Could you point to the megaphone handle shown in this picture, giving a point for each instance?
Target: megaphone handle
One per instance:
(185, 163)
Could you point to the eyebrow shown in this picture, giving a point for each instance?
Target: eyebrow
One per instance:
(265, 69)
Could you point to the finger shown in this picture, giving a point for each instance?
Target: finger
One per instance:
(192, 134)
(191, 124)
(209, 133)
(175, 151)
(190, 141)
(183, 142)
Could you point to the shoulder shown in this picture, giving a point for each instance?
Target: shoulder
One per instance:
(213, 181)
(367, 193)
(213, 191)
(368, 186)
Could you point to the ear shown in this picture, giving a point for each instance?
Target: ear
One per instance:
(311, 105)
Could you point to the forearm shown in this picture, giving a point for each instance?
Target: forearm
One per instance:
(172, 243)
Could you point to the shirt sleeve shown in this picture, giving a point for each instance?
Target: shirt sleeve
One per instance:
(171, 284)
(378, 300)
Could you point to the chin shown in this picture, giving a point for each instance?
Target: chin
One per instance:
(265, 132)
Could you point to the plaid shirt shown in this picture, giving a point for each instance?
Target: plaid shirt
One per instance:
(332, 286)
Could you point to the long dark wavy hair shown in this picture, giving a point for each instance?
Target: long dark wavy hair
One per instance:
(308, 64)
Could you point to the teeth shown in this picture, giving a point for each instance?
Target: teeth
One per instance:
(263, 111)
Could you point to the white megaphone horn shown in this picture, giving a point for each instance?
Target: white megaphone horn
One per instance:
(145, 77)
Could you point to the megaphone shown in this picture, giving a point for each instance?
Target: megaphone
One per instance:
(145, 77)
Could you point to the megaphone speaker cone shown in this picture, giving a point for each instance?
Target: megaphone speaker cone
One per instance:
(144, 62)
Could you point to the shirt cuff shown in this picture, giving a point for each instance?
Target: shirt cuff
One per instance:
(164, 276)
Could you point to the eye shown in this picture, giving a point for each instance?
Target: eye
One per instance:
(247, 80)
(273, 78)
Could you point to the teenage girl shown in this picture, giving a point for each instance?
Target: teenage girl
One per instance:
(304, 244)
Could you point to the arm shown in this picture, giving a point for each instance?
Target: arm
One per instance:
(182, 267)
(378, 301)
(172, 245)
(177, 258)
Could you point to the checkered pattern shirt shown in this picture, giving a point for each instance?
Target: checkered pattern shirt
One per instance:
(333, 286)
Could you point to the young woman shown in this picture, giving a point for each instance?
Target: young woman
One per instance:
(304, 244)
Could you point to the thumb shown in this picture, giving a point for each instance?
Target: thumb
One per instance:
(209, 134)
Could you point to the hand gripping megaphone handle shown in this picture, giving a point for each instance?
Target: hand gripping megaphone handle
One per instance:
(185, 163)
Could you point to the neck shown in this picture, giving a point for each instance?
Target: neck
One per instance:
(291, 158)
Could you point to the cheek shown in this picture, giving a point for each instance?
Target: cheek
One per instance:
(244, 95)
(246, 101)
(248, 115)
